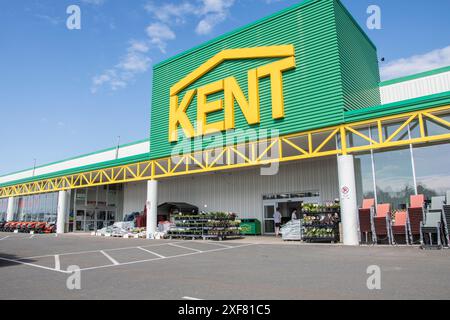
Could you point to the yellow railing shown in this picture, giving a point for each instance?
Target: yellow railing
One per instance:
(414, 128)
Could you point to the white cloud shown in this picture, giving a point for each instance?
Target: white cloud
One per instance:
(109, 77)
(439, 183)
(159, 34)
(167, 16)
(416, 64)
(209, 13)
(171, 13)
(134, 62)
(138, 46)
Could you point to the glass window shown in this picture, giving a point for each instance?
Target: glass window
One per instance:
(92, 196)
(112, 197)
(3, 209)
(432, 165)
(364, 177)
(394, 177)
(101, 196)
(80, 197)
(41, 207)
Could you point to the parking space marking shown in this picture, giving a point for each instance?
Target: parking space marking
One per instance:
(114, 262)
(183, 247)
(156, 254)
(109, 257)
(191, 298)
(27, 236)
(93, 251)
(219, 244)
(166, 258)
(57, 263)
(31, 265)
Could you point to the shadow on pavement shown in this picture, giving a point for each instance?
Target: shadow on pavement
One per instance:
(5, 260)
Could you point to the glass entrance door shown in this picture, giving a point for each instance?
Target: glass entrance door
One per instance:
(105, 218)
(287, 202)
(269, 224)
(87, 220)
(79, 220)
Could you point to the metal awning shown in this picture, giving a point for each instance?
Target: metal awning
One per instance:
(177, 208)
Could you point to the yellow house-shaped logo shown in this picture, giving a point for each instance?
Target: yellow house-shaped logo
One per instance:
(250, 106)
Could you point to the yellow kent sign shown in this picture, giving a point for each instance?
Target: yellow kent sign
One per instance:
(250, 106)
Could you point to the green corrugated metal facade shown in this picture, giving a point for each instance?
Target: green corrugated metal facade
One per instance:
(336, 70)
(359, 63)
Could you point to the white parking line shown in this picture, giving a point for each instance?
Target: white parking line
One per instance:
(31, 265)
(165, 258)
(57, 263)
(4, 238)
(156, 254)
(219, 244)
(114, 262)
(110, 258)
(94, 251)
(191, 298)
(183, 247)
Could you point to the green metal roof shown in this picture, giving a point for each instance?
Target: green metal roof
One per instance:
(415, 76)
(410, 105)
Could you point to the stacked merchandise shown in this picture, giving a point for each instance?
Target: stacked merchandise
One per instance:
(292, 230)
(162, 230)
(321, 223)
(122, 229)
(216, 225)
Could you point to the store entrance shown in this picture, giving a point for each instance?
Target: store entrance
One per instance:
(287, 203)
(93, 219)
(94, 208)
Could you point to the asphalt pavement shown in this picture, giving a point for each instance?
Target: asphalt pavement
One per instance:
(36, 267)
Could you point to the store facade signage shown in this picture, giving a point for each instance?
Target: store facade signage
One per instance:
(232, 92)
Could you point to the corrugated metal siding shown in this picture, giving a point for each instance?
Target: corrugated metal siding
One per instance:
(134, 197)
(415, 88)
(313, 93)
(359, 63)
(241, 191)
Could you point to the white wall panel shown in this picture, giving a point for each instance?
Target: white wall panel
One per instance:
(415, 88)
(240, 191)
(134, 197)
(124, 152)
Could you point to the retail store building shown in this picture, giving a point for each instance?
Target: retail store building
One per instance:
(286, 110)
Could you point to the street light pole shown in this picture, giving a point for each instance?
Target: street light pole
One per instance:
(34, 166)
(118, 146)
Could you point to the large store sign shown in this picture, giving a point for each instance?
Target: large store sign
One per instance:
(232, 92)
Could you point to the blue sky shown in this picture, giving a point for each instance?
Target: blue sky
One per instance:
(68, 92)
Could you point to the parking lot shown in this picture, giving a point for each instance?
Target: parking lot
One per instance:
(36, 267)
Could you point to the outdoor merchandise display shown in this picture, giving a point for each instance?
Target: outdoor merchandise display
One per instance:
(216, 225)
(28, 227)
(320, 223)
(118, 229)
